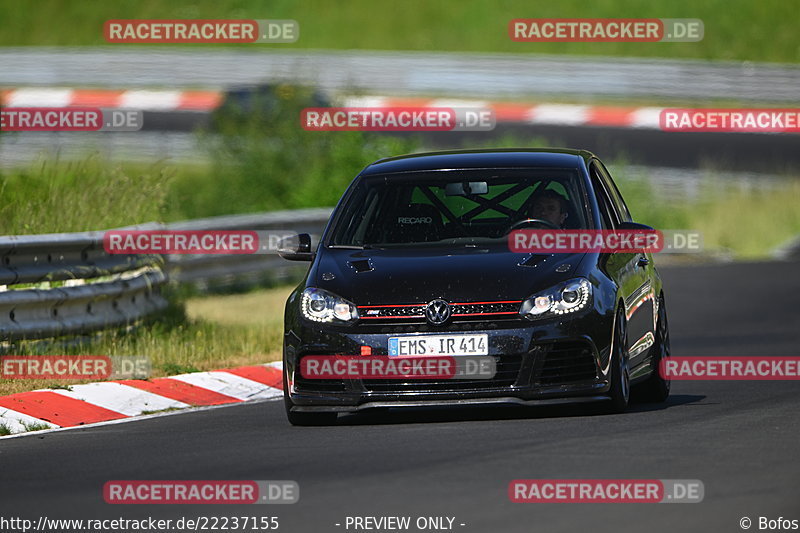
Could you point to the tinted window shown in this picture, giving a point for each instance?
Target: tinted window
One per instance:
(455, 206)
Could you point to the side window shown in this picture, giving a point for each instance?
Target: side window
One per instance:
(616, 197)
(607, 214)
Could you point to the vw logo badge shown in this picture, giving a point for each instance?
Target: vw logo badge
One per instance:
(437, 312)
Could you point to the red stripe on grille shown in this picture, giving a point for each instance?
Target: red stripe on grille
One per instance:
(393, 316)
(490, 303)
(483, 314)
(407, 305)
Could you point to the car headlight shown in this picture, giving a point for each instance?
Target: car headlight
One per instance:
(322, 306)
(564, 298)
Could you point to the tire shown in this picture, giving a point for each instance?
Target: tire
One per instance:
(620, 391)
(656, 388)
(304, 419)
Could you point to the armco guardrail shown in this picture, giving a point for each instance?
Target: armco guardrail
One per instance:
(66, 284)
(204, 271)
(88, 289)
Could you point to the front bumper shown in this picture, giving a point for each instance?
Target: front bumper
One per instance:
(504, 400)
(537, 362)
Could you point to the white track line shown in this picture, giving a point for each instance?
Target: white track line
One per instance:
(40, 98)
(560, 114)
(151, 100)
(646, 117)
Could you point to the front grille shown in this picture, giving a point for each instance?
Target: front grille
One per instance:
(508, 367)
(369, 312)
(463, 311)
(565, 362)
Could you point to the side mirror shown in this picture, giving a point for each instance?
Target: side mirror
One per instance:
(635, 226)
(296, 247)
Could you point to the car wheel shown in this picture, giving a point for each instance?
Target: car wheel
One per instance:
(620, 390)
(304, 419)
(656, 388)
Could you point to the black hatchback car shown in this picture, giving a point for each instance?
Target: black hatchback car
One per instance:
(417, 248)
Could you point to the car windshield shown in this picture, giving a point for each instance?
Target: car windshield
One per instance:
(452, 207)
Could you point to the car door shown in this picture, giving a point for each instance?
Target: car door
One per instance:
(626, 269)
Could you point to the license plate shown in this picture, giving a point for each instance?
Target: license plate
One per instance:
(444, 345)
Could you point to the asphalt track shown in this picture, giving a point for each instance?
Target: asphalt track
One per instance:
(739, 438)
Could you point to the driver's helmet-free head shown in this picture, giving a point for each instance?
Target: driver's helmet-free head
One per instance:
(549, 205)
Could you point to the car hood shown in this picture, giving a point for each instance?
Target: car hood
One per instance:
(470, 274)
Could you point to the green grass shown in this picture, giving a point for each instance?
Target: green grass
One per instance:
(173, 369)
(734, 29)
(749, 223)
(27, 426)
(159, 411)
(52, 196)
(88, 195)
(60, 386)
(35, 426)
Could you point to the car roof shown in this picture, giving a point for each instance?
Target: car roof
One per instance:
(461, 159)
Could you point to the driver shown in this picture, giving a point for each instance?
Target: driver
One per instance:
(550, 206)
